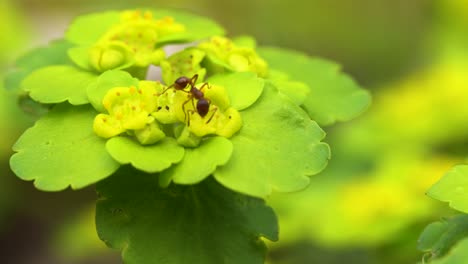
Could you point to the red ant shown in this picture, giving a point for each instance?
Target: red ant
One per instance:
(203, 104)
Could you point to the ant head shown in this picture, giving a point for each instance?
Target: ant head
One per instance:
(182, 82)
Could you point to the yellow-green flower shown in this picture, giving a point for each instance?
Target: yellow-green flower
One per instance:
(137, 34)
(222, 52)
(129, 109)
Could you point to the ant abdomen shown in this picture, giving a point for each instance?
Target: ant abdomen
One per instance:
(203, 107)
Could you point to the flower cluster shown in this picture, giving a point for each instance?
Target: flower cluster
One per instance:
(142, 111)
(133, 41)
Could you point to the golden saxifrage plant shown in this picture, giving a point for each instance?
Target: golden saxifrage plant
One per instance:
(182, 162)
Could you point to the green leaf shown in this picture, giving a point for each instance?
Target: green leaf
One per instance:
(31, 107)
(458, 255)
(243, 88)
(200, 224)
(13, 79)
(197, 27)
(56, 84)
(183, 63)
(54, 54)
(61, 150)
(245, 42)
(106, 81)
(296, 91)
(431, 235)
(437, 238)
(80, 56)
(148, 158)
(199, 163)
(88, 29)
(334, 96)
(453, 188)
(277, 148)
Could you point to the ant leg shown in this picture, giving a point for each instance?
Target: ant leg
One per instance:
(190, 112)
(193, 81)
(203, 86)
(183, 108)
(188, 92)
(193, 104)
(212, 115)
(165, 90)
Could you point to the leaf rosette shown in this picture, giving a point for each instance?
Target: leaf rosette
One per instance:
(157, 129)
(219, 112)
(160, 129)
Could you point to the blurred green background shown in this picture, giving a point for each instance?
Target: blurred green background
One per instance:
(368, 206)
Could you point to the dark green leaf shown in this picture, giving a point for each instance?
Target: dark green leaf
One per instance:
(458, 255)
(439, 237)
(200, 224)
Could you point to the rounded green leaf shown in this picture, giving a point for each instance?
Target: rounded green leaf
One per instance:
(437, 238)
(458, 255)
(148, 158)
(88, 29)
(431, 235)
(56, 84)
(199, 162)
(245, 41)
(183, 63)
(53, 54)
(61, 150)
(196, 27)
(244, 88)
(296, 91)
(334, 96)
(200, 224)
(106, 81)
(453, 188)
(277, 148)
(80, 56)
